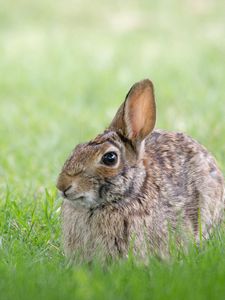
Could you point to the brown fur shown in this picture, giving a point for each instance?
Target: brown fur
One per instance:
(163, 182)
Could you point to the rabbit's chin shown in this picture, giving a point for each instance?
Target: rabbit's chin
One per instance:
(87, 201)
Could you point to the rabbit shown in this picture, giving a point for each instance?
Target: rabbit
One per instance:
(131, 188)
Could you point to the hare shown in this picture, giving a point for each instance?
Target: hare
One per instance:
(132, 186)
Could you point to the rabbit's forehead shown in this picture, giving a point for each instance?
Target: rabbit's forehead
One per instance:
(86, 152)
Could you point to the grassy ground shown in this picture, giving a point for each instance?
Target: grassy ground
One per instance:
(65, 67)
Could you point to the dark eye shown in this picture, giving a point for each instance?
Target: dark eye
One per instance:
(109, 159)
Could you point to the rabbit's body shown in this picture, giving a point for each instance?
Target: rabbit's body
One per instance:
(164, 184)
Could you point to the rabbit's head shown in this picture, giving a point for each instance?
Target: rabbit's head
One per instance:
(111, 167)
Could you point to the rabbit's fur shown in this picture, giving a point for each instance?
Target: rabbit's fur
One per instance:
(162, 183)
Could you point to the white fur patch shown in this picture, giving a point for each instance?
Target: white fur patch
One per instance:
(141, 150)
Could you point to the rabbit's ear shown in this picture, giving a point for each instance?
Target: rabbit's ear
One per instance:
(136, 117)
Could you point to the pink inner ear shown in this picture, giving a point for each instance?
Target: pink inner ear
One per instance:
(135, 118)
(140, 113)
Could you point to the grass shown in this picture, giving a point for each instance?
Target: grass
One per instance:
(65, 68)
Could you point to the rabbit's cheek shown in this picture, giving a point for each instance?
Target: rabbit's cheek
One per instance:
(82, 185)
(82, 192)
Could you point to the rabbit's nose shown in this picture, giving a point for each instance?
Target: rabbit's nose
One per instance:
(63, 186)
(66, 190)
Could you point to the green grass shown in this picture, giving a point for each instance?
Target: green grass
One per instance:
(65, 66)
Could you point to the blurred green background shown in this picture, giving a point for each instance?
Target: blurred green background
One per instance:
(65, 67)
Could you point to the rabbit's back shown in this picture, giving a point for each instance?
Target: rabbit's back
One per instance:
(190, 185)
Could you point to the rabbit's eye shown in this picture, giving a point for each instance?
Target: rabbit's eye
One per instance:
(109, 159)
